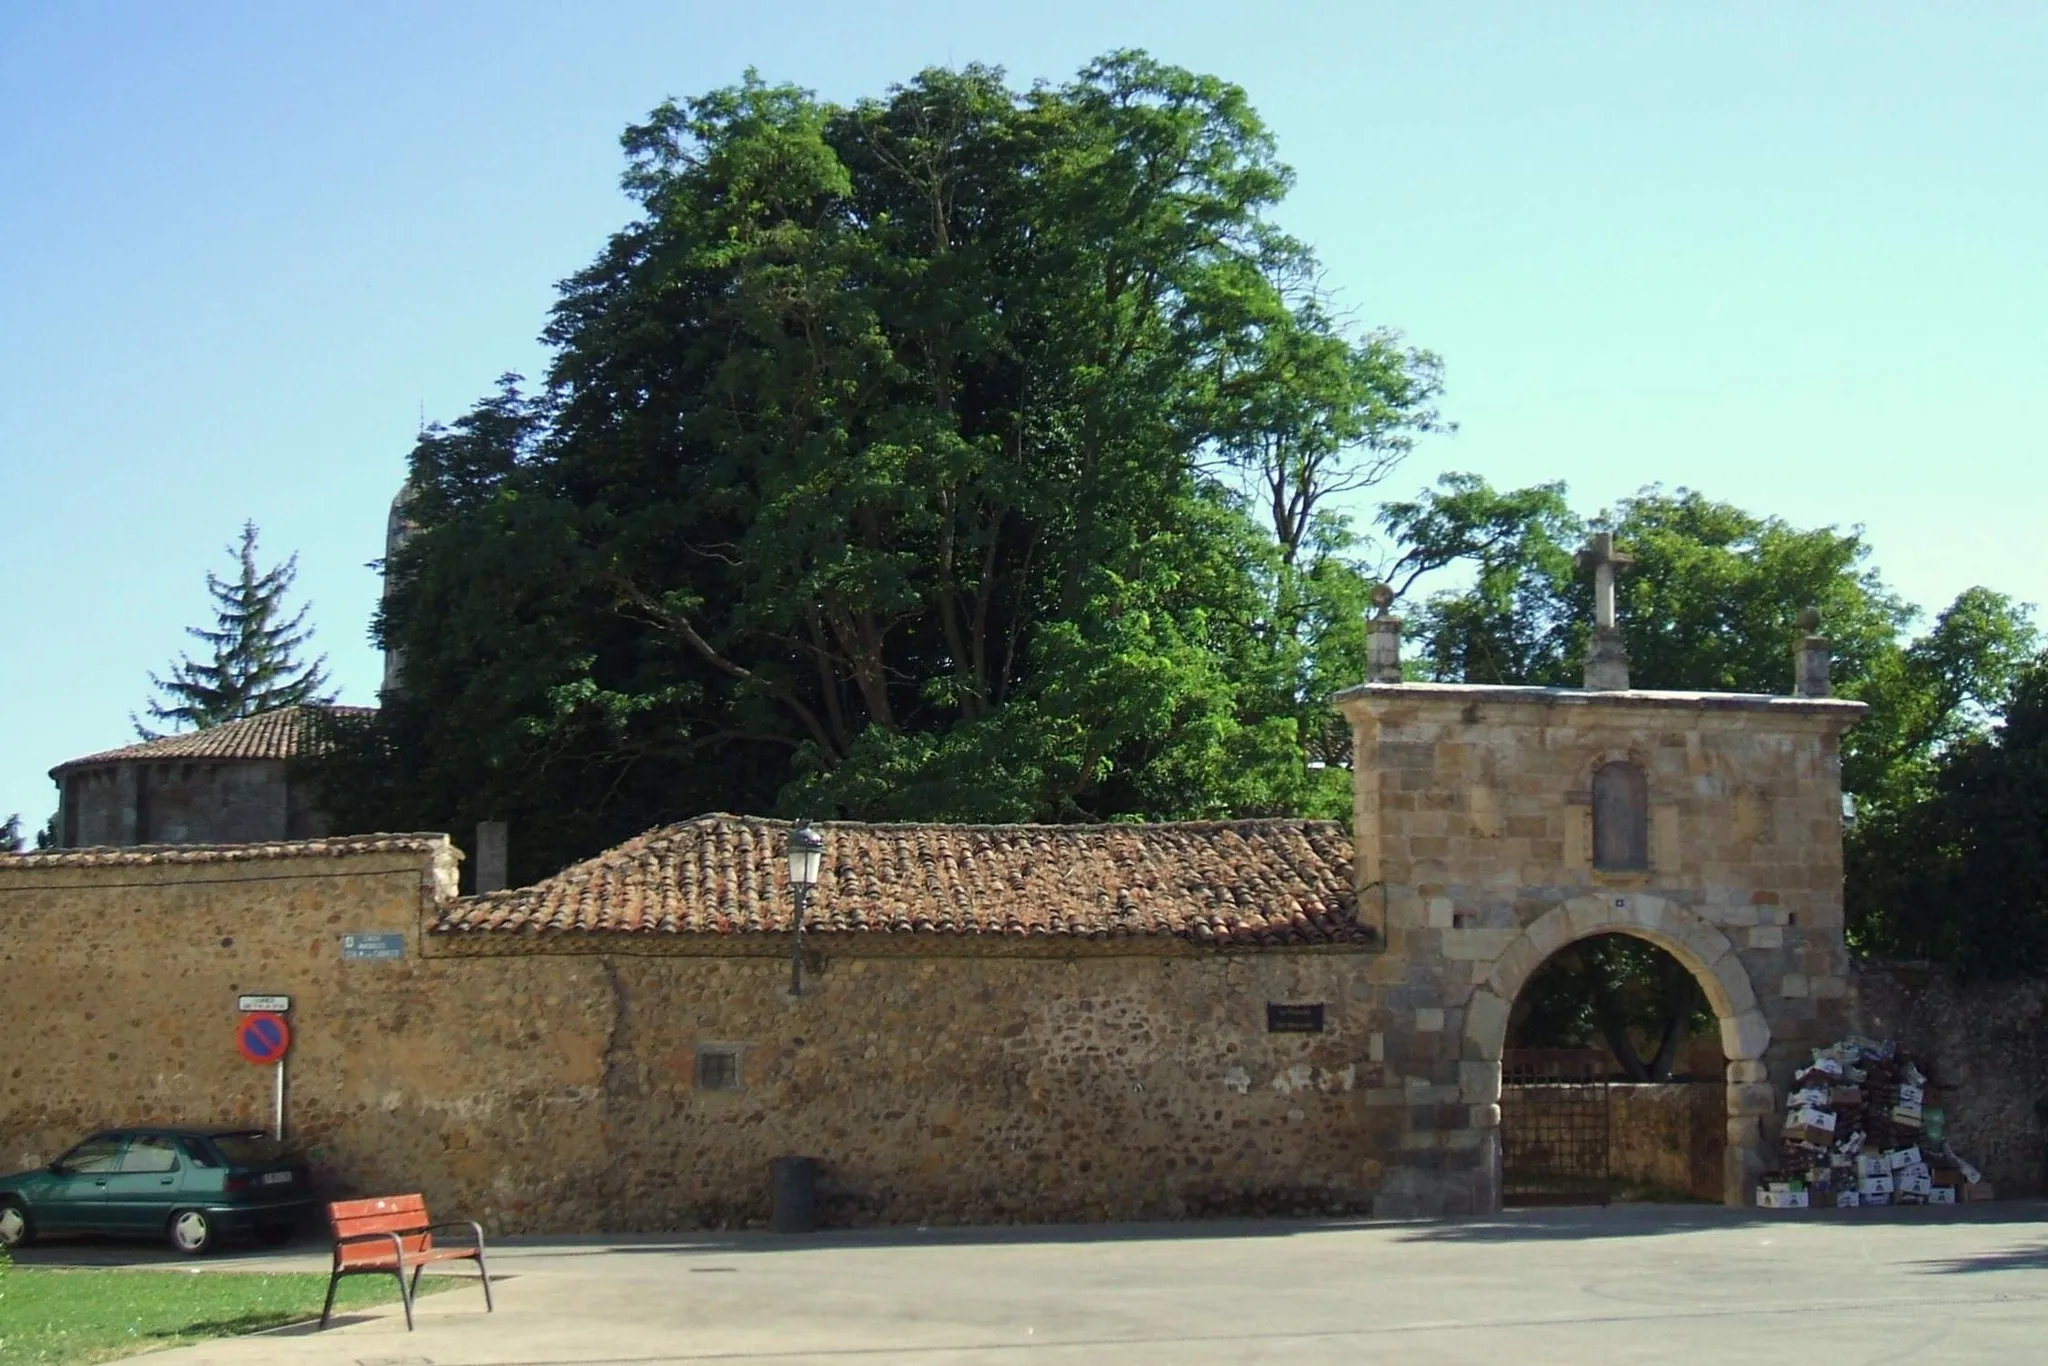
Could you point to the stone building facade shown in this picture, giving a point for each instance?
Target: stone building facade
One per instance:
(227, 784)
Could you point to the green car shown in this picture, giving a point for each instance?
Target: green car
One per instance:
(190, 1186)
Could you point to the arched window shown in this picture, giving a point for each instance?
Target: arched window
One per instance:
(1621, 818)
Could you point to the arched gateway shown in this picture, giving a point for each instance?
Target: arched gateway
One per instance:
(1496, 825)
(1704, 950)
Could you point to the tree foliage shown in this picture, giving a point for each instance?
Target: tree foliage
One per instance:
(960, 454)
(1710, 602)
(11, 841)
(253, 662)
(1956, 872)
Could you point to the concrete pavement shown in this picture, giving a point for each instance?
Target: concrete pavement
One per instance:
(1631, 1284)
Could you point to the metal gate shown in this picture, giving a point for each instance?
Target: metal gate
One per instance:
(1555, 1132)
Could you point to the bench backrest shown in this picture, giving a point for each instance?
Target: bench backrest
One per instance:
(400, 1214)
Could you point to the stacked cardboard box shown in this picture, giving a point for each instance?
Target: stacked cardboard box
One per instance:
(1859, 1131)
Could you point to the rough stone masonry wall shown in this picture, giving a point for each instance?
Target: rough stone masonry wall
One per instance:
(1668, 1137)
(186, 802)
(1985, 1048)
(556, 1091)
(1474, 820)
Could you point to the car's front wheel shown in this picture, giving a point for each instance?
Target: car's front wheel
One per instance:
(191, 1232)
(15, 1228)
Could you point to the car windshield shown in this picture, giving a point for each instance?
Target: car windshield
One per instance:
(252, 1147)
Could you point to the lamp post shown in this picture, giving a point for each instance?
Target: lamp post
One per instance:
(806, 853)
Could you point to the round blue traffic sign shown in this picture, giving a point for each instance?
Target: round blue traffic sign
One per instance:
(263, 1037)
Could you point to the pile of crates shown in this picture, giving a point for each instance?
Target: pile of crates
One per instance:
(1859, 1131)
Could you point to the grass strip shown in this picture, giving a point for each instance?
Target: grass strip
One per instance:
(51, 1316)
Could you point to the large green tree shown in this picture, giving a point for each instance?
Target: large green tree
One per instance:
(964, 453)
(253, 648)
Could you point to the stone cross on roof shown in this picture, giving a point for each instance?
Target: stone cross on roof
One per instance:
(1605, 561)
(1606, 656)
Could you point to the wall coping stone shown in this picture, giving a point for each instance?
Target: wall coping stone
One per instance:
(1842, 712)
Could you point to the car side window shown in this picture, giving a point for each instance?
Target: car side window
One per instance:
(199, 1154)
(149, 1153)
(93, 1155)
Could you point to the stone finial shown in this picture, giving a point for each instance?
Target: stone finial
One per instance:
(1810, 657)
(1606, 655)
(1382, 639)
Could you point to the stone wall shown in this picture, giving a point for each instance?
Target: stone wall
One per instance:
(195, 801)
(1474, 817)
(557, 1091)
(1668, 1138)
(1984, 1046)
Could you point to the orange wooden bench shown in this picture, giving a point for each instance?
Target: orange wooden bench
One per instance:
(389, 1234)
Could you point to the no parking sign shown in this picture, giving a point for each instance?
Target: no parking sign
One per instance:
(262, 1038)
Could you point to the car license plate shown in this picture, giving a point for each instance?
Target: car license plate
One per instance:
(277, 1178)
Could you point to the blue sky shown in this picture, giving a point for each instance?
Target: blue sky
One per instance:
(1791, 255)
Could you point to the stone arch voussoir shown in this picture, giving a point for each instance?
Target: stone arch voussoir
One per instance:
(1702, 947)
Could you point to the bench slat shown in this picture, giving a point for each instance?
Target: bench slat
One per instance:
(379, 1223)
(381, 1204)
(380, 1252)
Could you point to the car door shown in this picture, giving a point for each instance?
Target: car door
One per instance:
(72, 1196)
(141, 1190)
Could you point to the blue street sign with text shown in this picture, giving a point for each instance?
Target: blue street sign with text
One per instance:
(376, 946)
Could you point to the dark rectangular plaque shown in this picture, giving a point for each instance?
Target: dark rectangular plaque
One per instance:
(1294, 1019)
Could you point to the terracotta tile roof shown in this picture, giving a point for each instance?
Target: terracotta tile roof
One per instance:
(1221, 883)
(161, 854)
(280, 734)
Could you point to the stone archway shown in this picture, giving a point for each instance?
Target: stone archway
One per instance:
(1701, 947)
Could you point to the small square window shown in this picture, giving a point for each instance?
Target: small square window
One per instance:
(718, 1069)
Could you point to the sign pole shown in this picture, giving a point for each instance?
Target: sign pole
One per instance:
(279, 1133)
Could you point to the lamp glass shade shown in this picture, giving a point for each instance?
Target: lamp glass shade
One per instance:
(806, 853)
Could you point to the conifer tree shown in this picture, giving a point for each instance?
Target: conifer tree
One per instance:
(254, 665)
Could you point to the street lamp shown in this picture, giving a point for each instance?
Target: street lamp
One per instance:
(806, 853)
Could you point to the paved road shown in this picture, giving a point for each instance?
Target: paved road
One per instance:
(1635, 1285)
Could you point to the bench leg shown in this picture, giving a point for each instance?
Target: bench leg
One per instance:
(485, 1272)
(416, 1279)
(326, 1313)
(405, 1295)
